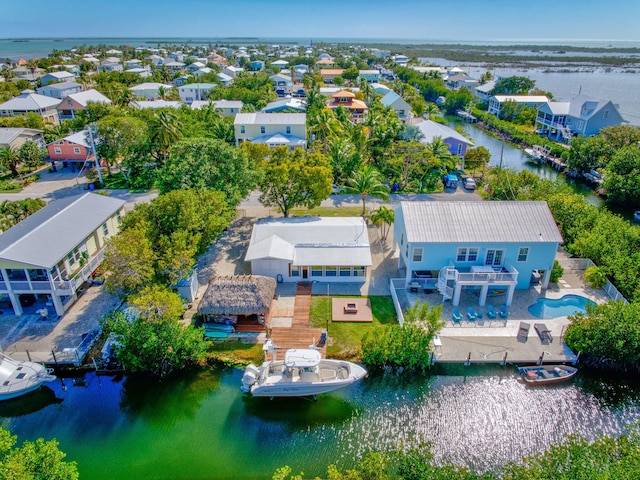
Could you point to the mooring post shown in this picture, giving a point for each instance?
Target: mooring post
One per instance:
(28, 355)
(575, 362)
(504, 359)
(540, 359)
(55, 360)
(468, 362)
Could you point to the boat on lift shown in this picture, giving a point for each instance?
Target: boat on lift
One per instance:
(303, 372)
(18, 378)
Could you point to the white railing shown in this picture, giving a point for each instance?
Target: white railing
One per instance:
(397, 283)
(476, 278)
(581, 264)
(67, 356)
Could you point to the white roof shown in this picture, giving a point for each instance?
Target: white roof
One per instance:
(312, 241)
(149, 86)
(228, 104)
(157, 104)
(197, 86)
(224, 77)
(259, 118)
(479, 222)
(69, 221)
(285, 103)
(9, 134)
(431, 130)
(280, 139)
(79, 138)
(29, 101)
(89, 96)
(60, 75)
(61, 85)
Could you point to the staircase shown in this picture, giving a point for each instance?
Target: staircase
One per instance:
(445, 290)
(566, 132)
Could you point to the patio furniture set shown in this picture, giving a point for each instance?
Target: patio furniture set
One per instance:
(473, 315)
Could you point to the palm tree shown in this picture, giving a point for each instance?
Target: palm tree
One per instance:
(440, 150)
(431, 109)
(164, 132)
(382, 217)
(9, 159)
(365, 182)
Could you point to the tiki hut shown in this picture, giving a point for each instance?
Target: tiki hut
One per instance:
(246, 297)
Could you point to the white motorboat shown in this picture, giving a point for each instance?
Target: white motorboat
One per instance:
(303, 372)
(18, 378)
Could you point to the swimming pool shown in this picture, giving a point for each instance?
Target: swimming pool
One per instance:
(559, 307)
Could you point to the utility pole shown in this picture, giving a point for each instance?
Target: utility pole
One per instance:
(95, 153)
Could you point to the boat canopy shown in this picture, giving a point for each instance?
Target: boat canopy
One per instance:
(301, 358)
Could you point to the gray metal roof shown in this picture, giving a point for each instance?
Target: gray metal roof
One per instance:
(259, 118)
(44, 238)
(61, 86)
(479, 222)
(432, 130)
(9, 134)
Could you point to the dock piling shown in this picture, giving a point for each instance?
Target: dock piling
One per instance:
(504, 358)
(468, 362)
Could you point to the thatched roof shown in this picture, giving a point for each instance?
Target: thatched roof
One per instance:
(237, 295)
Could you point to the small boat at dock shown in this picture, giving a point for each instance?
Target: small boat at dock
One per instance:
(537, 153)
(546, 374)
(19, 378)
(302, 373)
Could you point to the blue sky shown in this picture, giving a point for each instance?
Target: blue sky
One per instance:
(454, 20)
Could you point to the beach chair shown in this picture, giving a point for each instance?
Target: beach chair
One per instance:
(457, 316)
(503, 311)
(471, 315)
(523, 332)
(491, 312)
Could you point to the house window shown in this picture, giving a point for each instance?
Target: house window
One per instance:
(467, 254)
(76, 150)
(523, 254)
(345, 271)
(316, 271)
(459, 150)
(417, 254)
(105, 230)
(401, 113)
(57, 150)
(69, 102)
(406, 251)
(359, 271)
(294, 271)
(119, 216)
(262, 129)
(330, 271)
(606, 114)
(494, 257)
(401, 238)
(288, 130)
(74, 256)
(242, 130)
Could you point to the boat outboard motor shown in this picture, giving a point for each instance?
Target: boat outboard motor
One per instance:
(249, 378)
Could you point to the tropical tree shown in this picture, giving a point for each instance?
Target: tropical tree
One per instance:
(440, 150)
(118, 136)
(295, 179)
(367, 181)
(30, 155)
(431, 110)
(382, 217)
(37, 460)
(164, 131)
(622, 177)
(9, 160)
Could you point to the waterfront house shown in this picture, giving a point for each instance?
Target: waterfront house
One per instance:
(60, 90)
(74, 149)
(345, 99)
(15, 137)
(69, 106)
(461, 80)
(497, 101)
(431, 130)
(332, 249)
(491, 247)
(28, 102)
(398, 104)
(56, 77)
(51, 254)
(272, 129)
(149, 90)
(400, 59)
(483, 92)
(576, 115)
(195, 91)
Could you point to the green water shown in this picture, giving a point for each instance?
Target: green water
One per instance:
(202, 426)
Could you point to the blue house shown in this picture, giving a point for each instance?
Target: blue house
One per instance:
(431, 130)
(448, 246)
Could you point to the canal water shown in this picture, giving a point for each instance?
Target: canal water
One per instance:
(202, 426)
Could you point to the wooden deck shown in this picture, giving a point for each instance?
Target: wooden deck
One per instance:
(297, 337)
(302, 307)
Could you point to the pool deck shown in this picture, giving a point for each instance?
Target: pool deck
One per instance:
(496, 340)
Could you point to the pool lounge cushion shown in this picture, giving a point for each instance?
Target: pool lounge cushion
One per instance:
(544, 333)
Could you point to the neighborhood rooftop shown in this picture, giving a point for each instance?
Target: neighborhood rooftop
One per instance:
(271, 118)
(44, 238)
(479, 222)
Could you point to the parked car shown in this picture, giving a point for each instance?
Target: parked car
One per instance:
(450, 181)
(336, 190)
(469, 183)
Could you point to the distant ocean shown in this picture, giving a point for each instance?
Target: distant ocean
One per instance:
(41, 47)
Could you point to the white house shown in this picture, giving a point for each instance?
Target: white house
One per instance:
(232, 71)
(31, 102)
(60, 90)
(51, 253)
(483, 92)
(15, 137)
(149, 90)
(225, 79)
(272, 129)
(195, 91)
(55, 77)
(156, 104)
(332, 249)
(497, 101)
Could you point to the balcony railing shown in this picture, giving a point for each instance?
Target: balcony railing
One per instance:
(479, 278)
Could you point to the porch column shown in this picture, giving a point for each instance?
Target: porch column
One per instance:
(15, 300)
(57, 304)
(512, 289)
(483, 294)
(546, 278)
(456, 295)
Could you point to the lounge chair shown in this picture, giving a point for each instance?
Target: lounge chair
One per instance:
(471, 315)
(491, 313)
(503, 311)
(457, 316)
(523, 332)
(544, 333)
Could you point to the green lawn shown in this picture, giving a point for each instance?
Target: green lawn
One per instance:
(345, 337)
(236, 352)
